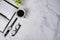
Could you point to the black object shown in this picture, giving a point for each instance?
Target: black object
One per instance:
(11, 4)
(10, 27)
(4, 16)
(7, 32)
(9, 22)
(16, 30)
(20, 13)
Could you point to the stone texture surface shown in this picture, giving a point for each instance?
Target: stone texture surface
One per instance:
(42, 21)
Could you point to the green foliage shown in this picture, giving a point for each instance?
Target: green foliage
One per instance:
(18, 2)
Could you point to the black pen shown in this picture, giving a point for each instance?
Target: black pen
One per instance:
(9, 22)
(10, 27)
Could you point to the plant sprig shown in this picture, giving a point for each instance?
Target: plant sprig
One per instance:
(18, 2)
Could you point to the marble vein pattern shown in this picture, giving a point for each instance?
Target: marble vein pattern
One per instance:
(42, 21)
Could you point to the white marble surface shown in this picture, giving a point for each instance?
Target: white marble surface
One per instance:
(42, 21)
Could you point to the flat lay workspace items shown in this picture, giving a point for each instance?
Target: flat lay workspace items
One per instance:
(29, 20)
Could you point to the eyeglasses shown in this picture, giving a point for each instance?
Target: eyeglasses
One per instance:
(20, 13)
(17, 27)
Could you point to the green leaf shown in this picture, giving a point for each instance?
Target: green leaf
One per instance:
(18, 2)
